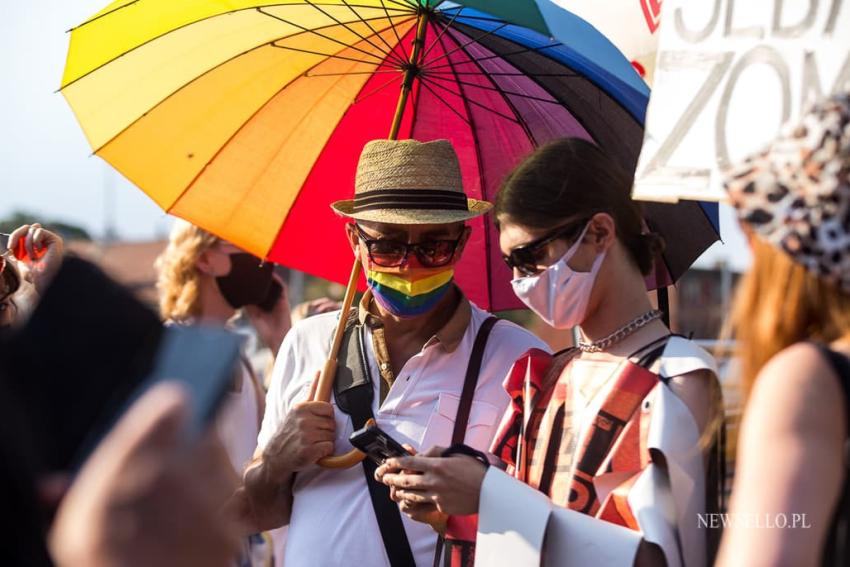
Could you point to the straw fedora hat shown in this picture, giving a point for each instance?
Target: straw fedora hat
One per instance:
(410, 182)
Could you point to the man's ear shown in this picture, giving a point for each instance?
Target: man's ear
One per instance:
(353, 238)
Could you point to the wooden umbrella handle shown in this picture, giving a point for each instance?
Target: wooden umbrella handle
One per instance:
(328, 374)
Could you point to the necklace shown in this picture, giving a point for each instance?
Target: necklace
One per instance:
(621, 333)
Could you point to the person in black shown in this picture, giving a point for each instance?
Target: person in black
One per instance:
(791, 319)
(141, 496)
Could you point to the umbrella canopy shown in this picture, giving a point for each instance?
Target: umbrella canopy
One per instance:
(634, 30)
(247, 118)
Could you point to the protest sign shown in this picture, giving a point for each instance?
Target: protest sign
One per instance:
(728, 75)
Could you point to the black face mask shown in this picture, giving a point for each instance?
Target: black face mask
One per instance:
(248, 282)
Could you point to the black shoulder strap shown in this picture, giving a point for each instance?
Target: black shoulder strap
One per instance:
(470, 381)
(444, 547)
(650, 353)
(837, 548)
(841, 365)
(353, 394)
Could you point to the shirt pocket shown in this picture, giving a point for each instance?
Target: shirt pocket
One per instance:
(479, 428)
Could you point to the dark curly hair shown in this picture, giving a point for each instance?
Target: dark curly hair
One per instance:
(571, 178)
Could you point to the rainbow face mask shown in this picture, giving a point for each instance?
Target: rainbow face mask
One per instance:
(410, 294)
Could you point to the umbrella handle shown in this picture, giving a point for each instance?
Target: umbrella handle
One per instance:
(354, 456)
(328, 374)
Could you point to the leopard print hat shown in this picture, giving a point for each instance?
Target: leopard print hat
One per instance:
(796, 193)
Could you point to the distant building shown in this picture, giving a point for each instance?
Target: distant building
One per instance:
(130, 263)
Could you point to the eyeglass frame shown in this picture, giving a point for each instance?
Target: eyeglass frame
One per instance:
(415, 247)
(534, 247)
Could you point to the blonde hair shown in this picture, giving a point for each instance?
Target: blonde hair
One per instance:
(779, 303)
(178, 282)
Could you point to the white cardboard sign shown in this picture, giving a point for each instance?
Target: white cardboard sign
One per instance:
(729, 73)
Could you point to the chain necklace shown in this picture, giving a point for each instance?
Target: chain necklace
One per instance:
(621, 333)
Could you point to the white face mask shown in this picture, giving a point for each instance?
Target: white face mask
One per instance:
(559, 294)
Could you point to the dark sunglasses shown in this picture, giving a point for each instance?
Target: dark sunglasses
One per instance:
(393, 253)
(526, 258)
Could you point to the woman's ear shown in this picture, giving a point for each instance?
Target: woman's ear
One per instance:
(204, 263)
(602, 231)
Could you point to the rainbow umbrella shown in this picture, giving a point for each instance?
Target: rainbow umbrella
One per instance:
(247, 117)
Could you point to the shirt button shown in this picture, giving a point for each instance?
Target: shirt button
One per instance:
(385, 366)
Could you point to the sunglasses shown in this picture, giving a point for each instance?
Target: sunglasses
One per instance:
(389, 253)
(526, 258)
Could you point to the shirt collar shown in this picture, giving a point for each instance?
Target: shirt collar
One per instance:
(449, 336)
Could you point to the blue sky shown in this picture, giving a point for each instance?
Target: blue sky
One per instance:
(45, 161)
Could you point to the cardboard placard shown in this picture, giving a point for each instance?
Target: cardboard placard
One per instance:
(729, 73)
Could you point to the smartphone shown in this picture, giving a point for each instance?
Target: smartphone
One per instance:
(377, 444)
(204, 361)
(274, 295)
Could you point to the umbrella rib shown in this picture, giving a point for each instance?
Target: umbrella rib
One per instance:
(414, 92)
(500, 74)
(478, 157)
(210, 71)
(110, 12)
(313, 31)
(563, 103)
(395, 31)
(329, 56)
(471, 41)
(439, 35)
(477, 18)
(472, 102)
(376, 90)
(231, 137)
(407, 5)
(499, 90)
(504, 55)
(508, 101)
(387, 54)
(104, 64)
(441, 99)
(375, 72)
(373, 30)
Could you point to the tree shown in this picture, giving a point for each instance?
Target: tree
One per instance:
(66, 230)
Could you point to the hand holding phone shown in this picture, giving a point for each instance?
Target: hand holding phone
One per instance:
(377, 444)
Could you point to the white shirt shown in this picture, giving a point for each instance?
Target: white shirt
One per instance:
(333, 522)
(237, 423)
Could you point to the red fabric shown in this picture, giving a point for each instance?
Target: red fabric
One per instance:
(614, 444)
(462, 527)
(312, 238)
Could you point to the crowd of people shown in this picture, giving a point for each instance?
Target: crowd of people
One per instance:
(608, 453)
